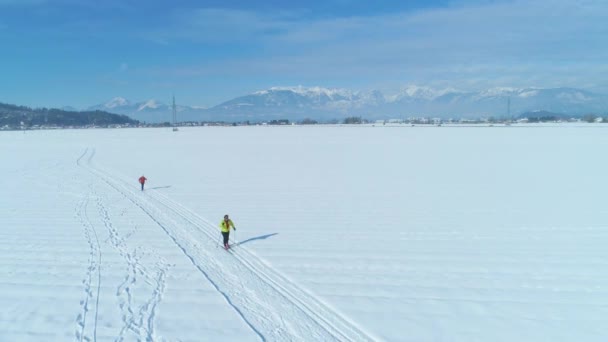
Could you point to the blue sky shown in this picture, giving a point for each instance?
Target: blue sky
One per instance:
(81, 52)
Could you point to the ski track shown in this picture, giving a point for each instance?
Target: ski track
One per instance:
(271, 305)
(90, 289)
(94, 267)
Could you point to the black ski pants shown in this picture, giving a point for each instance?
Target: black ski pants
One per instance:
(226, 235)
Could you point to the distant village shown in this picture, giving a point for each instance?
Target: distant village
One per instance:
(355, 120)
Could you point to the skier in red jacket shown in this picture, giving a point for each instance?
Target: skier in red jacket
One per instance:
(142, 181)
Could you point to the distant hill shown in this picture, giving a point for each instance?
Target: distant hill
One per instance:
(322, 104)
(20, 116)
(146, 111)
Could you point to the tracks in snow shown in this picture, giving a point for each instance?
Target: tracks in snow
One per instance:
(137, 303)
(138, 319)
(274, 307)
(92, 281)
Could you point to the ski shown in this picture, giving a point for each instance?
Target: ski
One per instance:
(231, 246)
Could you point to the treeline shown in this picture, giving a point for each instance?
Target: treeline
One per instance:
(13, 116)
(590, 118)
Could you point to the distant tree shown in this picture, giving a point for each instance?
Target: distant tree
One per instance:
(279, 122)
(543, 119)
(353, 120)
(589, 117)
(308, 121)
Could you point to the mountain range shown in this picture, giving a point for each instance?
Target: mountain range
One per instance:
(297, 103)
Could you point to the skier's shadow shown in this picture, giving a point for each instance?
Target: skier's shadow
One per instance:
(261, 237)
(160, 187)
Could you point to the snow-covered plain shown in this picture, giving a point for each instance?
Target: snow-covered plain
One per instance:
(344, 233)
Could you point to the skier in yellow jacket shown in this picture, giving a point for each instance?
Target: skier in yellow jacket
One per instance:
(225, 226)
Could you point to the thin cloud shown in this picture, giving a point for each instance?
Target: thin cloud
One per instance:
(219, 25)
(506, 41)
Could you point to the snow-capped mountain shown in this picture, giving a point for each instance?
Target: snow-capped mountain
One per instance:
(117, 102)
(415, 93)
(146, 111)
(322, 103)
(150, 104)
(296, 103)
(559, 100)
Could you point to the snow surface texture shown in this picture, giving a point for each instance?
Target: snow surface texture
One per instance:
(344, 233)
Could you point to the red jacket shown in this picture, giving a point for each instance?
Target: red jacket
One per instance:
(142, 179)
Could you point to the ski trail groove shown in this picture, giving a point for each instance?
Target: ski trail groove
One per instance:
(226, 297)
(94, 267)
(273, 307)
(339, 325)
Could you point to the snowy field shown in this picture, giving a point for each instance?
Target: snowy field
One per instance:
(343, 234)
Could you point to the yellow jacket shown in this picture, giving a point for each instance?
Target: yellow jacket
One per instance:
(225, 226)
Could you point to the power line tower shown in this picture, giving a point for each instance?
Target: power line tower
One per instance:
(174, 115)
